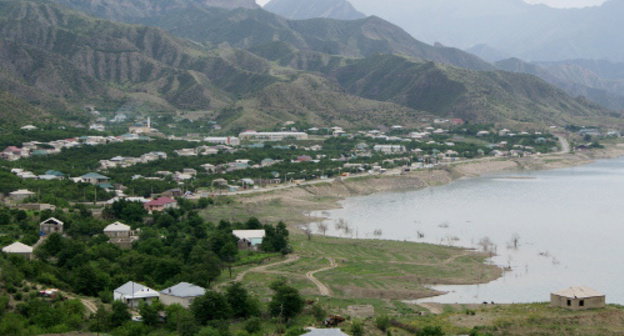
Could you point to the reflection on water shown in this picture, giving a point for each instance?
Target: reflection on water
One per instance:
(553, 229)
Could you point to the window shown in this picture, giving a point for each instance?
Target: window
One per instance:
(569, 303)
(582, 303)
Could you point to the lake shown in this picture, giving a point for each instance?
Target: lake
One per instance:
(568, 225)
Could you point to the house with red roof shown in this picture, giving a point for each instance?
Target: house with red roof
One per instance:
(160, 204)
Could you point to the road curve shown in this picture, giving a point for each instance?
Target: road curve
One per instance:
(323, 289)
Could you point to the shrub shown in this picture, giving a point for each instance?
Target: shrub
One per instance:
(382, 323)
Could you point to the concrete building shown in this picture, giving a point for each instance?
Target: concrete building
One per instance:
(50, 226)
(389, 149)
(578, 298)
(133, 294)
(120, 234)
(18, 248)
(20, 195)
(230, 141)
(183, 294)
(272, 136)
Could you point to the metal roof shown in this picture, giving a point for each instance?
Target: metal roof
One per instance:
(579, 292)
(135, 290)
(17, 247)
(117, 227)
(184, 289)
(249, 234)
(325, 332)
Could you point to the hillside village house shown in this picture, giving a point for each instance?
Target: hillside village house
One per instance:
(389, 149)
(95, 178)
(272, 136)
(20, 195)
(230, 141)
(324, 332)
(578, 298)
(20, 249)
(183, 294)
(160, 204)
(133, 294)
(120, 234)
(249, 239)
(50, 226)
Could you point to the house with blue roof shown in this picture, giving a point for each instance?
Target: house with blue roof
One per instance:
(95, 179)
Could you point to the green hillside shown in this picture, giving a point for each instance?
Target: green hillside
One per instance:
(472, 95)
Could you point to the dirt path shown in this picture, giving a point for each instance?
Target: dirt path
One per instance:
(323, 289)
(89, 305)
(264, 268)
(433, 308)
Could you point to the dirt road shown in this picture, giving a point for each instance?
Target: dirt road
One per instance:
(323, 289)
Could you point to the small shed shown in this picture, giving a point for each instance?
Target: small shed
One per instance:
(18, 248)
(578, 298)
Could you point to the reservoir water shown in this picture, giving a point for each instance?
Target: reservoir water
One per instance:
(568, 225)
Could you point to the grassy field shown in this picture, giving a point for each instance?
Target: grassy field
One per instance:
(524, 319)
(380, 273)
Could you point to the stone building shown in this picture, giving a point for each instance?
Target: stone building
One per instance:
(578, 298)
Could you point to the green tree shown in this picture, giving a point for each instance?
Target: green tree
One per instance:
(181, 320)
(149, 313)
(286, 302)
(120, 314)
(101, 321)
(242, 304)
(211, 306)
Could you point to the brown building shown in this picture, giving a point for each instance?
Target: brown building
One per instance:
(578, 298)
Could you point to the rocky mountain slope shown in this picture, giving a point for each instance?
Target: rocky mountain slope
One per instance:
(60, 60)
(308, 9)
(252, 28)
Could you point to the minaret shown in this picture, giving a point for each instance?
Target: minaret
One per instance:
(149, 123)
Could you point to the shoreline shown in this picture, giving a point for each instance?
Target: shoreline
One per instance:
(303, 200)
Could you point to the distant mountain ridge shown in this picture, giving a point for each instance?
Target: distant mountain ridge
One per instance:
(250, 28)
(320, 71)
(515, 28)
(309, 9)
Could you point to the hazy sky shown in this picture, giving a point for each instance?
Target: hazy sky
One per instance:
(553, 3)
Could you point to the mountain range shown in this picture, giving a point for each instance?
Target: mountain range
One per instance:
(465, 25)
(247, 67)
(306, 9)
(512, 27)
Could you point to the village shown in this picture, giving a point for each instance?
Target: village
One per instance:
(166, 179)
(290, 157)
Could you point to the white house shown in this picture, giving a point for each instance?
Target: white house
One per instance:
(19, 249)
(133, 294)
(183, 294)
(272, 136)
